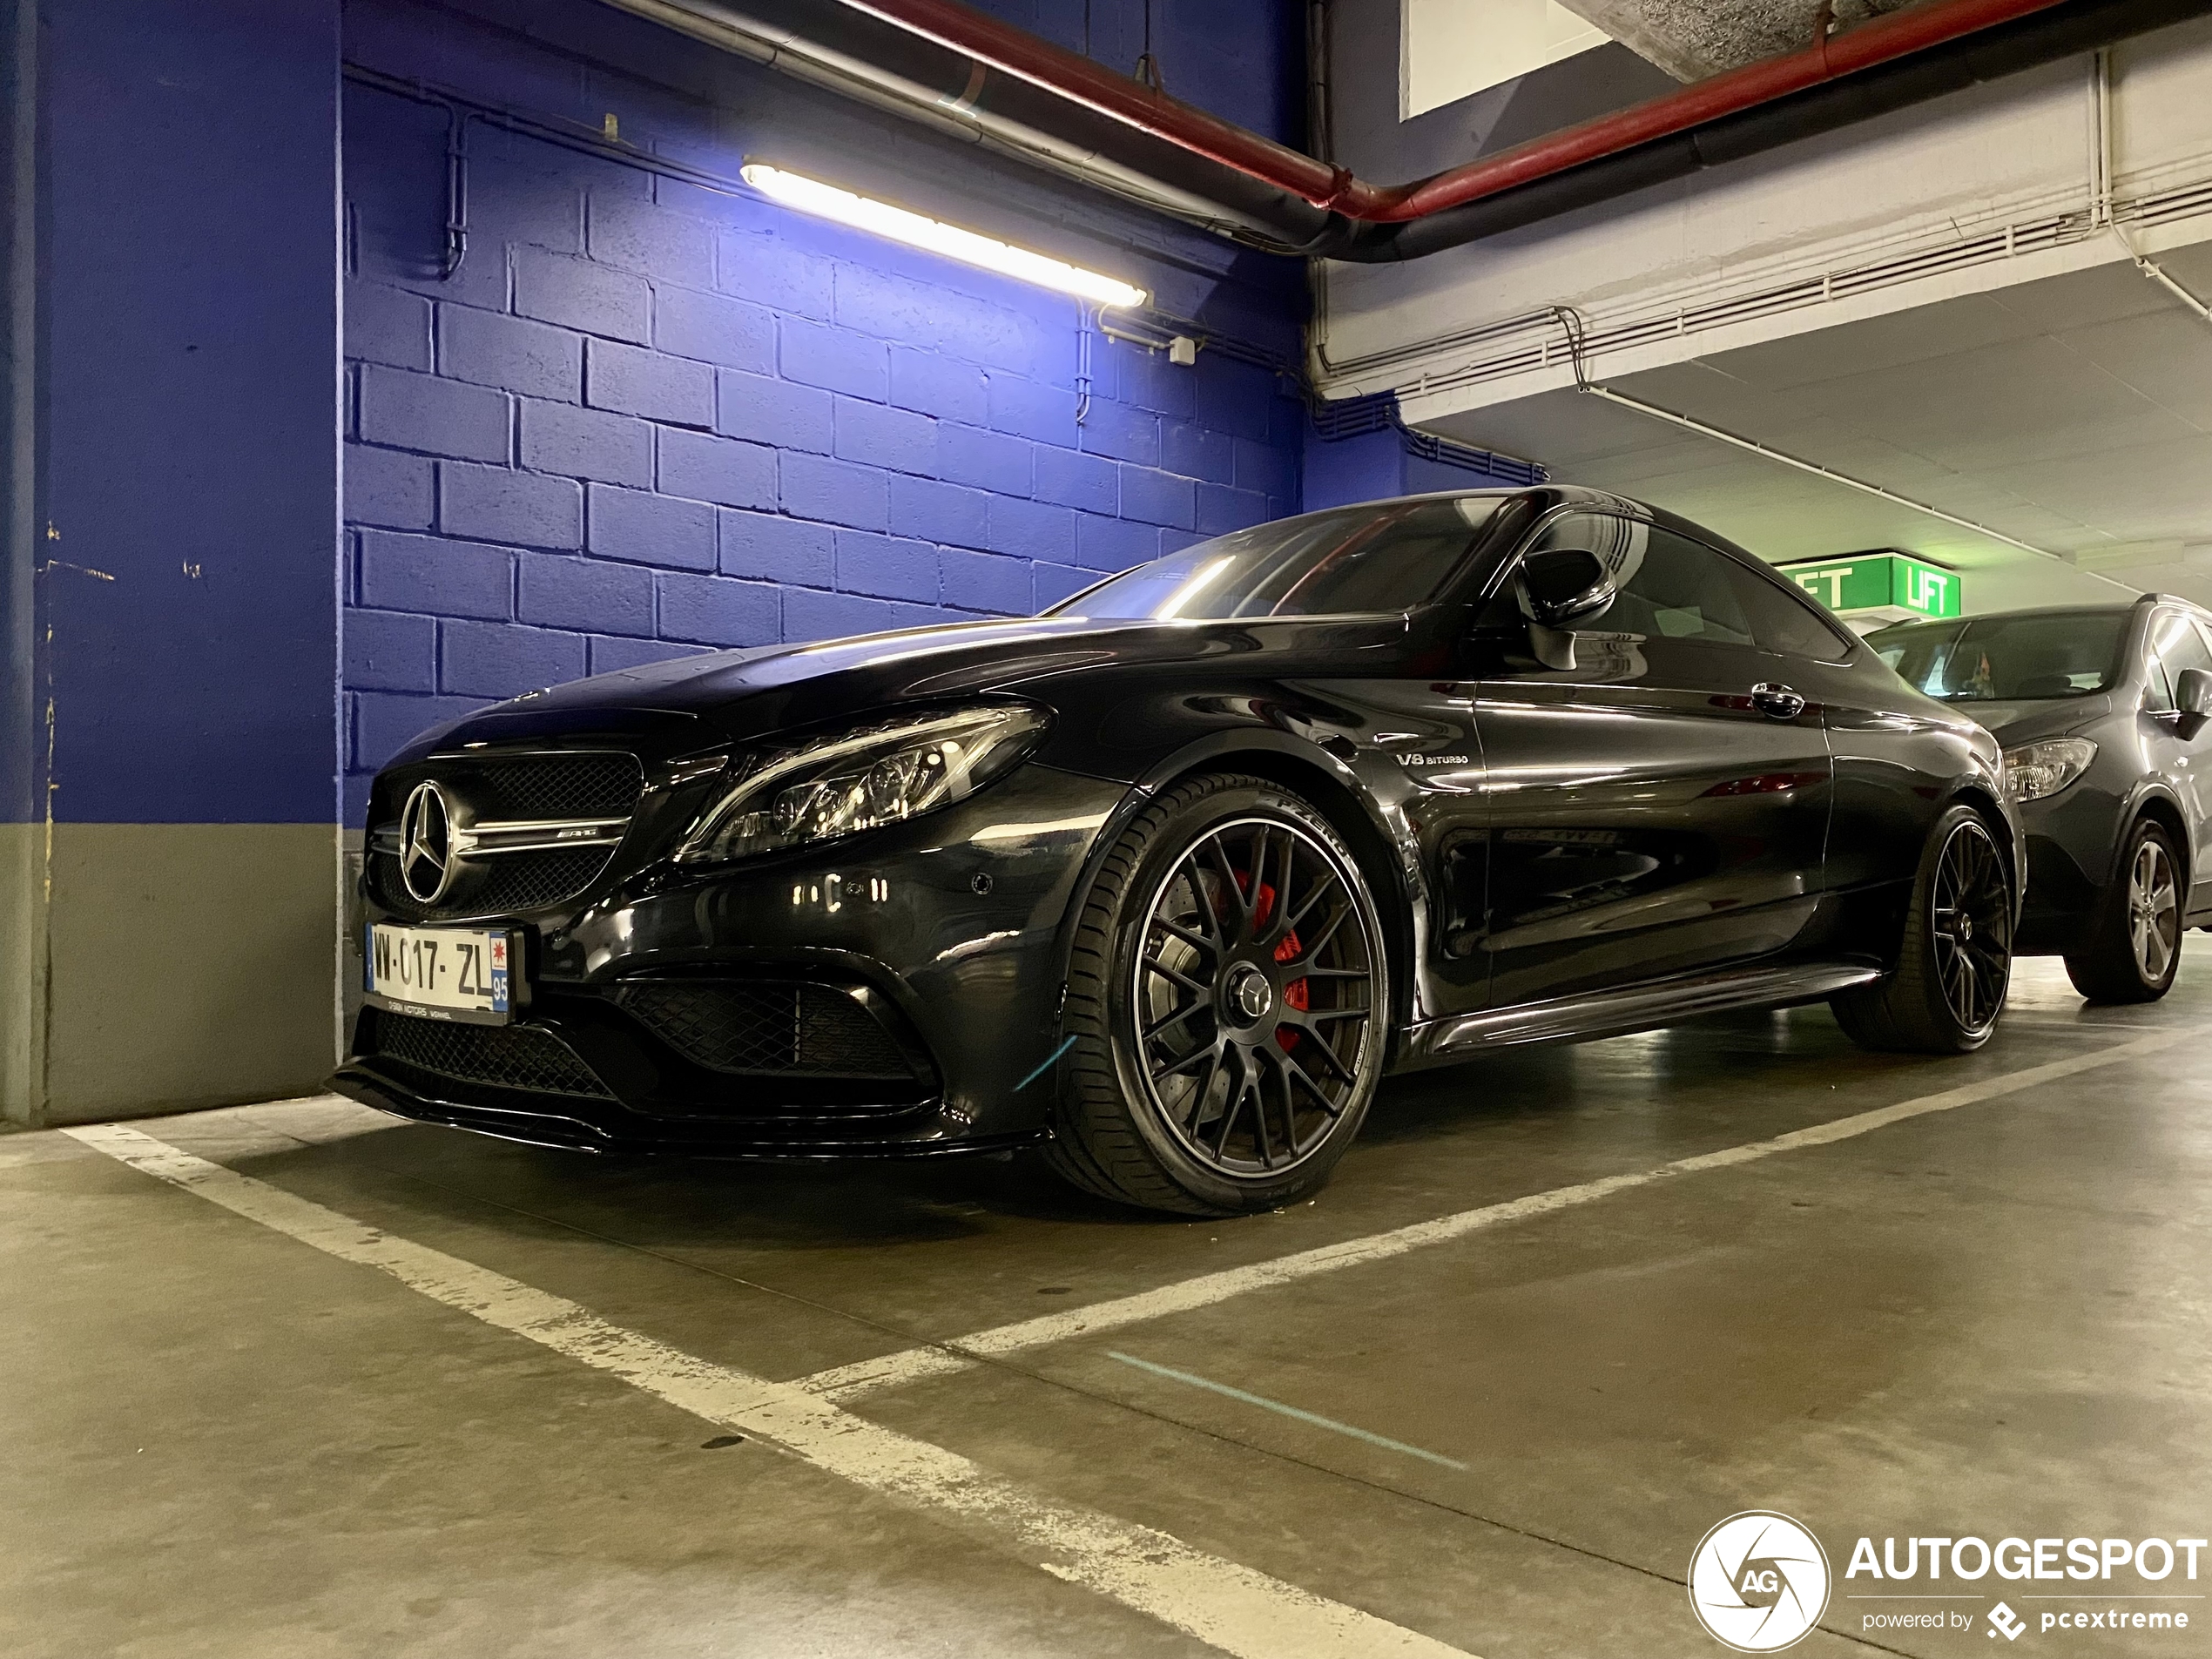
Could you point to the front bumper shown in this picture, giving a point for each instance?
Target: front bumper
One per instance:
(936, 945)
(2072, 839)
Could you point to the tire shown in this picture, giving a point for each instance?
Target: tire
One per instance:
(2135, 945)
(1956, 959)
(1229, 997)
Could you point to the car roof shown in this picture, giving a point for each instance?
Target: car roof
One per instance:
(2117, 608)
(1554, 494)
(2023, 611)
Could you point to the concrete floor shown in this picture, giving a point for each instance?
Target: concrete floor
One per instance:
(1989, 1319)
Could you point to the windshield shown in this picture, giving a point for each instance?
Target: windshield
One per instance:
(1349, 560)
(2007, 659)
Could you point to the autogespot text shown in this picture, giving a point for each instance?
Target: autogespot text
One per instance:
(2024, 1558)
(2125, 1565)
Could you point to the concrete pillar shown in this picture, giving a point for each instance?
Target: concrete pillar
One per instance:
(22, 919)
(168, 735)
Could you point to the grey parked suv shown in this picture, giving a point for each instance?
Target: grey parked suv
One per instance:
(2102, 713)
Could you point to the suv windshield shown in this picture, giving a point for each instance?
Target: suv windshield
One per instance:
(1340, 562)
(2008, 659)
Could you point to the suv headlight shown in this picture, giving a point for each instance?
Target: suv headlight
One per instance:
(2035, 770)
(849, 781)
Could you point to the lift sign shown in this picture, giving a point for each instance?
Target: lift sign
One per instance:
(1879, 581)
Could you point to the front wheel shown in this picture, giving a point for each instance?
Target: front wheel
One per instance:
(2135, 945)
(1956, 959)
(1228, 993)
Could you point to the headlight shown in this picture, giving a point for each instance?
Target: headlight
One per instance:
(2035, 770)
(854, 780)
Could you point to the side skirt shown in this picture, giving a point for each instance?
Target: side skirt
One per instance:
(1632, 1008)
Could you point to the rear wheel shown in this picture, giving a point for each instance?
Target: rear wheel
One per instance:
(1228, 993)
(2135, 945)
(1956, 958)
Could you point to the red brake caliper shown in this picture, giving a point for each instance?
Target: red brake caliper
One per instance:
(1295, 993)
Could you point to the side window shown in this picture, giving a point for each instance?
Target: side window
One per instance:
(1673, 588)
(2158, 691)
(1683, 591)
(1669, 587)
(2181, 645)
(1784, 623)
(1615, 541)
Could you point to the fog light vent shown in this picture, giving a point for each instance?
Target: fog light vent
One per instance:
(765, 1028)
(521, 1057)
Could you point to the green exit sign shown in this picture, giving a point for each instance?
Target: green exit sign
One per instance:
(1880, 582)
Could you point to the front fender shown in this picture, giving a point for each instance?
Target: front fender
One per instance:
(1320, 768)
(2146, 791)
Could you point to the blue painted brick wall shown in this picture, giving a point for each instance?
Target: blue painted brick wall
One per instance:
(646, 419)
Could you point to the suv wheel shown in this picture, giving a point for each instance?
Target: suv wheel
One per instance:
(1228, 991)
(1956, 958)
(2135, 943)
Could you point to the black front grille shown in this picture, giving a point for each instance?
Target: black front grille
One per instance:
(767, 1027)
(528, 788)
(506, 885)
(523, 1057)
(592, 785)
(506, 789)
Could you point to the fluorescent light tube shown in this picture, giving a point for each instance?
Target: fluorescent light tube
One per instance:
(812, 196)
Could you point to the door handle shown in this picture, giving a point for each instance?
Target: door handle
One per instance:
(1780, 702)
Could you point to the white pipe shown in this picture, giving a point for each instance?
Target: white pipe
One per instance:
(2158, 275)
(1816, 468)
(1571, 322)
(2101, 183)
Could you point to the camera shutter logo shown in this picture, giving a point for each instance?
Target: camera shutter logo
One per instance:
(1758, 1582)
(425, 844)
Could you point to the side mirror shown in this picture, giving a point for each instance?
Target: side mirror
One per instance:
(1564, 585)
(2193, 693)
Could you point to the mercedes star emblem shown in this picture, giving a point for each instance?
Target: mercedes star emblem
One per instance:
(426, 844)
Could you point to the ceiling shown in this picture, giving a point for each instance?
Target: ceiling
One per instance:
(2074, 414)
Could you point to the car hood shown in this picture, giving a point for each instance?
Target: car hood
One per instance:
(743, 694)
(2014, 723)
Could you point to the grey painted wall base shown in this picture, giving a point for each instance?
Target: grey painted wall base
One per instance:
(187, 965)
(353, 851)
(22, 972)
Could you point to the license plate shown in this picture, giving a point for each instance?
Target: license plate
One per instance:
(463, 973)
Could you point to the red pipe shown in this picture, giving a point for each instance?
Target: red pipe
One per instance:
(1015, 52)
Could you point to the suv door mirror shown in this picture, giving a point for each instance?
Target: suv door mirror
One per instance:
(2193, 693)
(1563, 585)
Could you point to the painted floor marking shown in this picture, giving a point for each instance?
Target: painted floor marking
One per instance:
(1288, 1410)
(1232, 1608)
(847, 1383)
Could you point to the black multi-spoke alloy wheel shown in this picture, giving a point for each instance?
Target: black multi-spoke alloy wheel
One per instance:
(2135, 945)
(1228, 991)
(1956, 958)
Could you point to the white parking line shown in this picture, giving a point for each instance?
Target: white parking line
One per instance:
(1276, 1405)
(847, 1383)
(1231, 1607)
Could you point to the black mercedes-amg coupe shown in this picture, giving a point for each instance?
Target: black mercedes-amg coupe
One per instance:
(1166, 879)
